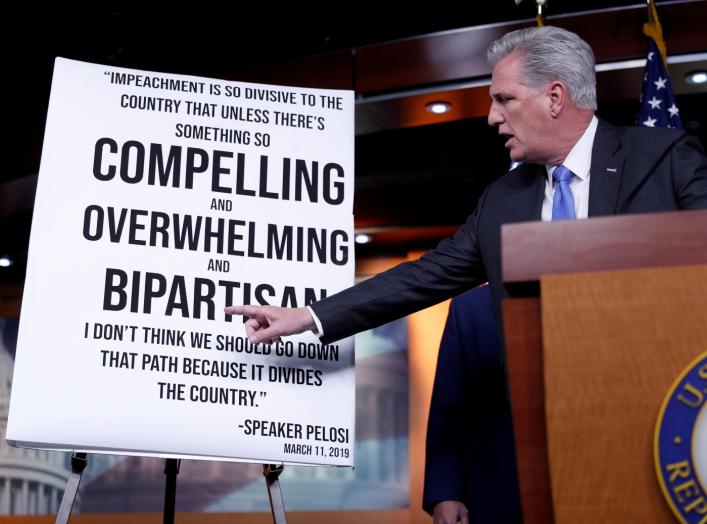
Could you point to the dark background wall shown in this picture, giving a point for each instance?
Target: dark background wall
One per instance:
(417, 174)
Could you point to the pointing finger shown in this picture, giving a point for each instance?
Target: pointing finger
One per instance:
(249, 311)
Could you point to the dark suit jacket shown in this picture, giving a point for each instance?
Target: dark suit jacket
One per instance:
(470, 452)
(634, 170)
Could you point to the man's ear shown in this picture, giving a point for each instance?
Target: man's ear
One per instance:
(557, 92)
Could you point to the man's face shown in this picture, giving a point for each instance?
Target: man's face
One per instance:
(521, 114)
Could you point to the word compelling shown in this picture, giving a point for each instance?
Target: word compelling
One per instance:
(301, 180)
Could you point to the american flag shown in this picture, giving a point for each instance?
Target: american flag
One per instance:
(658, 108)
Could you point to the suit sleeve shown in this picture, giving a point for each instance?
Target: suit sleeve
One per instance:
(689, 169)
(452, 267)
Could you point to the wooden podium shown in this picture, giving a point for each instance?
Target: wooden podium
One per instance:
(622, 311)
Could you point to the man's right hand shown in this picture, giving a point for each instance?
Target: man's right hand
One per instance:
(269, 323)
(450, 512)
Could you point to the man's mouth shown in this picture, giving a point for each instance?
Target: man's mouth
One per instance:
(508, 140)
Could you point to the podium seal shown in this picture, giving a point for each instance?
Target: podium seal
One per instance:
(680, 444)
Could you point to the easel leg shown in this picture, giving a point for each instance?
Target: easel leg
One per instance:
(78, 465)
(277, 504)
(171, 470)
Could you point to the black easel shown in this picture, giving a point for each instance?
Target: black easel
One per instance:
(171, 470)
(277, 504)
(78, 465)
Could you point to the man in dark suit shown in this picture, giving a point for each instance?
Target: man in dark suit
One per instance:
(543, 102)
(470, 466)
(574, 166)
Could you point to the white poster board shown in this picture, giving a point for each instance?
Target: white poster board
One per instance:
(161, 199)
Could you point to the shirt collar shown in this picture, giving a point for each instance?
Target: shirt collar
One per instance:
(579, 159)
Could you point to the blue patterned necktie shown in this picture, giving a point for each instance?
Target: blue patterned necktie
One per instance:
(562, 200)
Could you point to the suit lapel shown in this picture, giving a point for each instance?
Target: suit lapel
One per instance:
(608, 159)
(525, 200)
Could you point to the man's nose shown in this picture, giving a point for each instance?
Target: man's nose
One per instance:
(495, 117)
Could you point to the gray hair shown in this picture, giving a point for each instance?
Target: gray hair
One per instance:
(551, 53)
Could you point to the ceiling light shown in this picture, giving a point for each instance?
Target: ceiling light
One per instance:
(362, 238)
(5, 261)
(438, 107)
(696, 77)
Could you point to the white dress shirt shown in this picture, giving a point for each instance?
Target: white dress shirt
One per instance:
(579, 161)
(319, 331)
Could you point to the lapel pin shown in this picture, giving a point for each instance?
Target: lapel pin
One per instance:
(611, 169)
